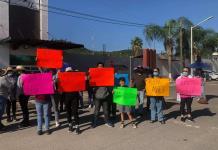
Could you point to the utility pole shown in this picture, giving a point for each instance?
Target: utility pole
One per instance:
(181, 45)
(104, 52)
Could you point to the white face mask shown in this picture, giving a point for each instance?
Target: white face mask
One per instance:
(10, 74)
(185, 74)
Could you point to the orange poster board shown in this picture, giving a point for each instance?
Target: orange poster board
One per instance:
(101, 76)
(71, 81)
(49, 58)
(157, 86)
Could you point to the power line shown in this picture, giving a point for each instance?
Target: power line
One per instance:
(94, 18)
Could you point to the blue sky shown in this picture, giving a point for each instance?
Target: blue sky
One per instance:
(93, 34)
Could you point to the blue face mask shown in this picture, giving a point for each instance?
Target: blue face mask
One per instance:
(156, 74)
(185, 74)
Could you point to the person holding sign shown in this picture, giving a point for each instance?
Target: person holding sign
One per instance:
(186, 100)
(101, 98)
(72, 104)
(156, 103)
(125, 109)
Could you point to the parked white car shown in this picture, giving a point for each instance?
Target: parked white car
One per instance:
(213, 76)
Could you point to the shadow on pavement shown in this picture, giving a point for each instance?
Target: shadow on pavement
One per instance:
(202, 112)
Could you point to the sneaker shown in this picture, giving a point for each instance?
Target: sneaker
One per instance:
(110, 125)
(152, 121)
(39, 132)
(134, 126)
(190, 119)
(162, 122)
(57, 124)
(48, 132)
(122, 125)
(90, 106)
(77, 131)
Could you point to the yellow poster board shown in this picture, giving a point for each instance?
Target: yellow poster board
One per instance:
(157, 86)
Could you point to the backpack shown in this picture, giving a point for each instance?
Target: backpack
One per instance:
(101, 93)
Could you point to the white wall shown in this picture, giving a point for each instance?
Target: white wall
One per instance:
(4, 56)
(4, 20)
(43, 20)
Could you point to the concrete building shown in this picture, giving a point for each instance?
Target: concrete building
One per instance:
(21, 19)
(23, 28)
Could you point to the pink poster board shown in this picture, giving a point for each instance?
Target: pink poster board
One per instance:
(189, 86)
(37, 84)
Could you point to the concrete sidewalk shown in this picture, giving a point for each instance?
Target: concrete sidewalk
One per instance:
(199, 135)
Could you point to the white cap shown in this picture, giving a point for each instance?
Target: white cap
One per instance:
(20, 67)
(68, 69)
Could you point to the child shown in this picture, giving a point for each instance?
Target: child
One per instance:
(125, 109)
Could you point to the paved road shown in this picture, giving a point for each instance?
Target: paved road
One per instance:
(201, 135)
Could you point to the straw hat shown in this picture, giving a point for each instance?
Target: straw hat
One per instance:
(9, 69)
(68, 69)
(3, 72)
(20, 67)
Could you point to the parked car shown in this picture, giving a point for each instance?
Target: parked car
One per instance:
(213, 75)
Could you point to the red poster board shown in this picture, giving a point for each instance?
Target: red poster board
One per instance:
(101, 76)
(49, 58)
(71, 81)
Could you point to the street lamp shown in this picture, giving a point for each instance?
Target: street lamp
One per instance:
(192, 27)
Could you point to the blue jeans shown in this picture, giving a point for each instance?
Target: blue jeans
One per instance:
(3, 102)
(43, 108)
(156, 105)
(141, 96)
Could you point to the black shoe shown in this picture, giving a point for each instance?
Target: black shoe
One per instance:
(39, 132)
(15, 118)
(183, 119)
(77, 131)
(48, 132)
(152, 121)
(2, 125)
(24, 124)
(9, 120)
(70, 128)
(162, 122)
(94, 125)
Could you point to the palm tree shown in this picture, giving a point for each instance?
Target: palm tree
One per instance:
(136, 46)
(153, 33)
(166, 34)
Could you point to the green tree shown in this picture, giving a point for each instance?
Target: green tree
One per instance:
(136, 44)
(166, 34)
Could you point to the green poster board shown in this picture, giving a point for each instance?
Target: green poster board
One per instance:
(125, 96)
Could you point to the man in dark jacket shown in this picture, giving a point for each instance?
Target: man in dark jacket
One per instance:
(101, 98)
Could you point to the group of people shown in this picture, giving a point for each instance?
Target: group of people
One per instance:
(11, 90)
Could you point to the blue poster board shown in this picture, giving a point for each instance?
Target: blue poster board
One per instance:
(118, 76)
